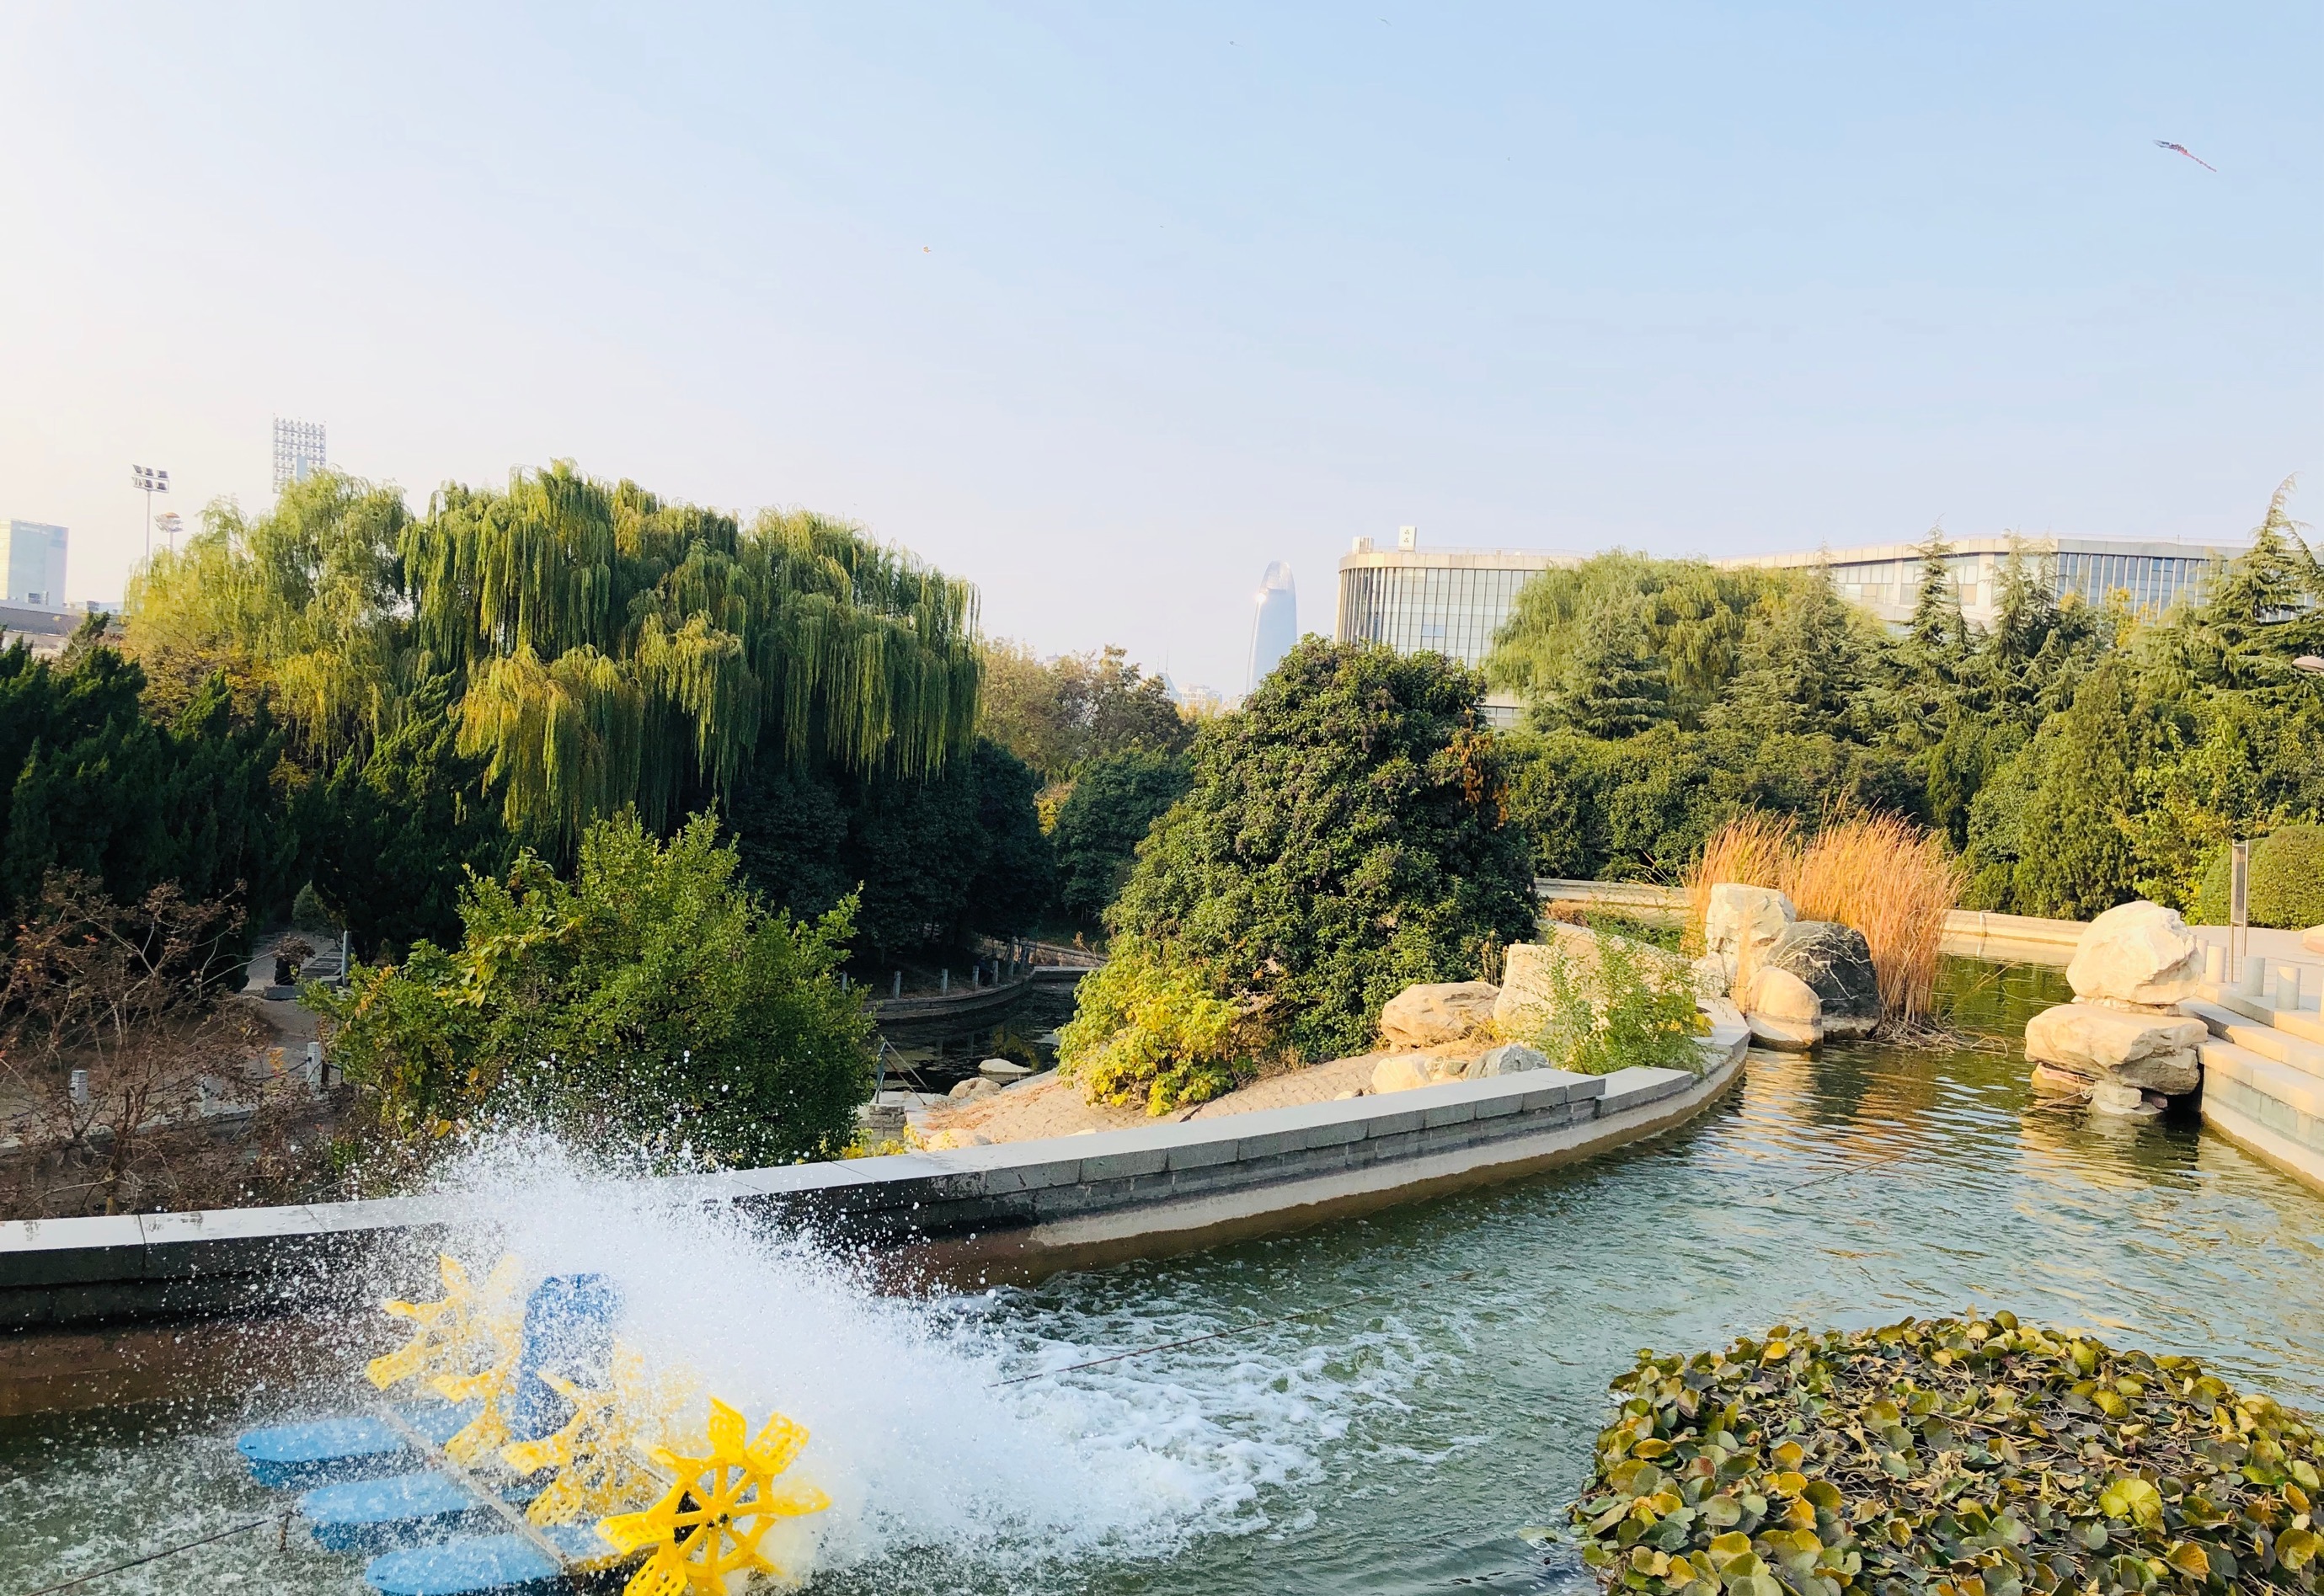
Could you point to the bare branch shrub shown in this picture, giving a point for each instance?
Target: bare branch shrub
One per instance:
(115, 1048)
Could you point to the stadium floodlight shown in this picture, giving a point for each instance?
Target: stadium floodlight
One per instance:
(299, 451)
(149, 481)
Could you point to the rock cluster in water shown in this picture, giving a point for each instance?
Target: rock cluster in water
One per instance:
(1797, 982)
(2122, 1045)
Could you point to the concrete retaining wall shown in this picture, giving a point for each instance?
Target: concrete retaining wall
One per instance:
(1968, 932)
(1014, 1211)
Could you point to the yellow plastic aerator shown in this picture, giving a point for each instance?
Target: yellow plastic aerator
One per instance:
(705, 1534)
(471, 1325)
(600, 1453)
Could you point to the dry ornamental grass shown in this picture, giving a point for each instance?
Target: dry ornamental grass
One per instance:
(1879, 874)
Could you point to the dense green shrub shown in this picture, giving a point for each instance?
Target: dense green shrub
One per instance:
(1640, 808)
(2287, 881)
(1343, 838)
(1618, 1004)
(92, 783)
(650, 1000)
(927, 859)
(2075, 754)
(1147, 1029)
(1113, 803)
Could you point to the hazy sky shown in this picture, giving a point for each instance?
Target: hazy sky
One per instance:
(1105, 309)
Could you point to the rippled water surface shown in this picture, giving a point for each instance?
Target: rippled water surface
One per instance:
(1402, 1442)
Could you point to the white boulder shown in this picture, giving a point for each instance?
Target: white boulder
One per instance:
(1437, 1011)
(2113, 1097)
(2155, 1053)
(2138, 955)
(1783, 1011)
(1743, 922)
(1003, 1070)
(1403, 1072)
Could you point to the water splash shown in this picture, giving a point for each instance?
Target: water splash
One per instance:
(921, 1447)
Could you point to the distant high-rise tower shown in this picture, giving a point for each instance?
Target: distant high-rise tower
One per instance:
(32, 564)
(1274, 623)
(298, 451)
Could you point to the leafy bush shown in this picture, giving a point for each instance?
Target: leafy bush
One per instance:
(931, 857)
(1640, 809)
(93, 784)
(1114, 802)
(1621, 1004)
(649, 998)
(1951, 1456)
(1148, 1029)
(2287, 881)
(1343, 838)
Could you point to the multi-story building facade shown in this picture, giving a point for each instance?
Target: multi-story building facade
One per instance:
(1453, 601)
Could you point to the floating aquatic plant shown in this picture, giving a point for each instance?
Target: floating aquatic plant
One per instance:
(1959, 1457)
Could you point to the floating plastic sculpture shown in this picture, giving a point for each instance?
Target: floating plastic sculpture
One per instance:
(543, 1448)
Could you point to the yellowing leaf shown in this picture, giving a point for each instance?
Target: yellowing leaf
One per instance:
(2187, 1558)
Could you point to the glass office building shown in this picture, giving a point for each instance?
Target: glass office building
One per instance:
(1453, 601)
(32, 564)
(1449, 602)
(1886, 579)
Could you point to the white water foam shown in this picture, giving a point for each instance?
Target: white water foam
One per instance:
(918, 1446)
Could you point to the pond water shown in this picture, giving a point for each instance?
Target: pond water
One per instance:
(1399, 1443)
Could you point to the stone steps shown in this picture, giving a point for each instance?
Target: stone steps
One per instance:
(2294, 1088)
(2302, 1023)
(2271, 1042)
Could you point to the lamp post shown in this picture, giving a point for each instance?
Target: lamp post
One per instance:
(170, 526)
(149, 481)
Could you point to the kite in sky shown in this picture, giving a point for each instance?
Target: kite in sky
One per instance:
(2184, 150)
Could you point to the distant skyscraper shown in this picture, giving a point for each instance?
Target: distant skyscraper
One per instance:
(1274, 623)
(298, 451)
(33, 572)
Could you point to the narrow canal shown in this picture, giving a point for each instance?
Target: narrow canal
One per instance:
(1402, 1444)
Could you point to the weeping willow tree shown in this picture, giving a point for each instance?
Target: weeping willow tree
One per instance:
(305, 604)
(609, 650)
(619, 650)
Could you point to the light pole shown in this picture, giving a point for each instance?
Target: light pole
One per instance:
(149, 481)
(169, 527)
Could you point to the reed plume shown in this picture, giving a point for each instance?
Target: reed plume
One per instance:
(1879, 874)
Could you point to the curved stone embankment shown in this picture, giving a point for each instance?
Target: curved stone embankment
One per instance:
(1015, 1211)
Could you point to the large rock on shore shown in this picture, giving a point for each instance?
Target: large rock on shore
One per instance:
(2154, 1053)
(1528, 997)
(1741, 922)
(1783, 1011)
(2136, 955)
(1836, 962)
(1423, 1015)
(1433, 1067)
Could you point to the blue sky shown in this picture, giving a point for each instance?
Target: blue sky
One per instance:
(1106, 308)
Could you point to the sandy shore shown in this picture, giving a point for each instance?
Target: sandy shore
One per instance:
(1045, 1105)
